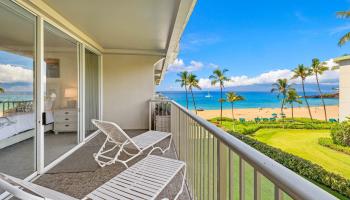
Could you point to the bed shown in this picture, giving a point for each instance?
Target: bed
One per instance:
(20, 126)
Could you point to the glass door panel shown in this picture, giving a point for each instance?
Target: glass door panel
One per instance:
(91, 91)
(17, 103)
(61, 93)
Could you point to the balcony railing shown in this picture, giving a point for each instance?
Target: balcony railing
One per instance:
(11, 107)
(220, 166)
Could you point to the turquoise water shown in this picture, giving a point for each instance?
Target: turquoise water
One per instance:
(14, 96)
(253, 100)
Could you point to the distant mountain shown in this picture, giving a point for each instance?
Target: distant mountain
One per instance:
(329, 88)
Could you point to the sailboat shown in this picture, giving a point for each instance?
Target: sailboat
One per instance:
(208, 95)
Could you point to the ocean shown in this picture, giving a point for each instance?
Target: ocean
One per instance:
(252, 100)
(14, 96)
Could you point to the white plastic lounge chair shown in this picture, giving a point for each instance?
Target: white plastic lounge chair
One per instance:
(144, 180)
(118, 138)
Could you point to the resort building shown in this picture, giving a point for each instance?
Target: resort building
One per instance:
(344, 87)
(64, 63)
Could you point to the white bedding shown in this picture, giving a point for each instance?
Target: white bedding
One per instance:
(19, 123)
(16, 124)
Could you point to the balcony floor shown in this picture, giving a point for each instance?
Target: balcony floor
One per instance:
(79, 174)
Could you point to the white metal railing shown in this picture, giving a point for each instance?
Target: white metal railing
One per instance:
(220, 166)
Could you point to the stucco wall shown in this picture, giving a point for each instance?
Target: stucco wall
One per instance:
(344, 95)
(128, 84)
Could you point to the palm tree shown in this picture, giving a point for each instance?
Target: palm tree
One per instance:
(281, 87)
(293, 97)
(183, 80)
(317, 68)
(2, 90)
(303, 72)
(218, 77)
(232, 98)
(193, 83)
(346, 37)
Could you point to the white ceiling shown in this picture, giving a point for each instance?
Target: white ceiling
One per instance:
(122, 24)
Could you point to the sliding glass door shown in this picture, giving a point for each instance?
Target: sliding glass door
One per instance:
(64, 77)
(92, 94)
(17, 94)
(61, 53)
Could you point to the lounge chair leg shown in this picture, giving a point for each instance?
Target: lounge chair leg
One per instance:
(182, 185)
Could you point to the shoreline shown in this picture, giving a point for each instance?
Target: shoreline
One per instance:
(251, 113)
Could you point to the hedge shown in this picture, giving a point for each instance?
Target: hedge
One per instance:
(341, 134)
(328, 142)
(251, 127)
(301, 166)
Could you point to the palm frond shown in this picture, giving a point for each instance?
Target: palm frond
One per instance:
(344, 39)
(343, 14)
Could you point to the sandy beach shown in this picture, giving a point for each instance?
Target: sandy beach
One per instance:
(251, 113)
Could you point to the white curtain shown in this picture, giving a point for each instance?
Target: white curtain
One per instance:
(91, 90)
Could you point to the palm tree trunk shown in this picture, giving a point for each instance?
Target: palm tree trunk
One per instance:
(292, 111)
(186, 97)
(319, 90)
(307, 103)
(233, 116)
(194, 102)
(282, 106)
(220, 104)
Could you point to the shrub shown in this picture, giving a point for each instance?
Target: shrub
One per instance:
(246, 130)
(341, 134)
(328, 142)
(301, 166)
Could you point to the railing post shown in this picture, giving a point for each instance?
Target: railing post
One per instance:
(241, 179)
(222, 170)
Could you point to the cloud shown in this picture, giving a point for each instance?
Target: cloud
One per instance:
(301, 17)
(179, 66)
(13, 73)
(213, 66)
(340, 29)
(270, 77)
(196, 41)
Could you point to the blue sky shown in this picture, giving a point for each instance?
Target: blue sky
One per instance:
(251, 38)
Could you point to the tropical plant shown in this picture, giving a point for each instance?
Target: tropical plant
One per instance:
(193, 83)
(317, 68)
(303, 72)
(183, 80)
(293, 97)
(232, 97)
(341, 134)
(281, 88)
(345, 38)
(2, 90)
(218, 77)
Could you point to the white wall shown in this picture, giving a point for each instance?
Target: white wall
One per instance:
(344, 87)
(68, 62)
(128, 84)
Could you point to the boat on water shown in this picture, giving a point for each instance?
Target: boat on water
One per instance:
(208, 95)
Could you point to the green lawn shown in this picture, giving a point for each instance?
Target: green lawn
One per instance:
(304, 143)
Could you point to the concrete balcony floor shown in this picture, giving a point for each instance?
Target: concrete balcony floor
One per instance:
(79, 174)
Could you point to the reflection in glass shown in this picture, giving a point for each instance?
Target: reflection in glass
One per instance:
(61, 93)
(17, 105)
(91, 91)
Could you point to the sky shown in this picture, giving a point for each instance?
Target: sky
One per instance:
(259, 41)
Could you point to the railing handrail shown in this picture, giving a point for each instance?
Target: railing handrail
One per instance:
(16, 101)
(293, 184)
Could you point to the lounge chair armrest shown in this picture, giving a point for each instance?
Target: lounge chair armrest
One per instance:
(15, 186)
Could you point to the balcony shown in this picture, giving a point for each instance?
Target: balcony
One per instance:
(219, 166)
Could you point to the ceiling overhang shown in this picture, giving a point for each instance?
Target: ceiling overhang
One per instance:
(152, 27)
